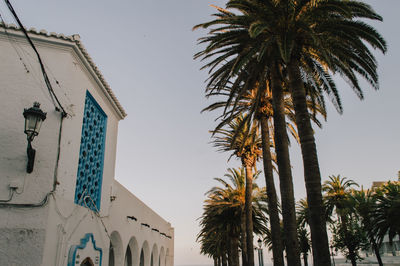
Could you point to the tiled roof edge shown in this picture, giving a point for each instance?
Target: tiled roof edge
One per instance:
(75, 39)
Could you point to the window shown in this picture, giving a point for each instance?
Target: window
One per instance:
(91, 155)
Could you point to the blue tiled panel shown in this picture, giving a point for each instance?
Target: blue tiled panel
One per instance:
(91, 155)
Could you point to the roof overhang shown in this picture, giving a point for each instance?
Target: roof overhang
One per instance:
(77, 46)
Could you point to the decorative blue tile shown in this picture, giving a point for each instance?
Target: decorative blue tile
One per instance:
(74, 258)
(91, 155)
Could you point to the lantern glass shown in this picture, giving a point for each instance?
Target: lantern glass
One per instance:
(32, 126)
(33, 120)
(259, 243)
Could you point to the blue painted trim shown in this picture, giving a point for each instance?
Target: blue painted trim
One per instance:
(83, 178)
(95, 103)
(82, 245)
(104, 148)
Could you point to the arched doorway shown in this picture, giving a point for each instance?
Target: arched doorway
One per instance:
(128, 257)
(111, 256)
(87, 262)
(132, 254)
(161, 261)
(141, 258)
(154, 259)
(116, 251)
(145, 255)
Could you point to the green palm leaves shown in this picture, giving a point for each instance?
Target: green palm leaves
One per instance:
(290, 47)
(337, 195)
(241, 138)
(387, 211)
(221, 222)
(363, 217)
(348, 235)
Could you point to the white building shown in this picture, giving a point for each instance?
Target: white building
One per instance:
(70, 210)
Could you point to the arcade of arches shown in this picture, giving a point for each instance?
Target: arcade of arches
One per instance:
(135, 255)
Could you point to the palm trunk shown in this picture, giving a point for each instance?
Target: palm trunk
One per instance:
(243, 242)
(312, 174)
(285, 174)
(234, 253)
(277, 246)
(350, 248)
(249, 213)
(305, 259)
(229, 249)
(223, 259)
(376, 250)
(347, 239)
(353, 259)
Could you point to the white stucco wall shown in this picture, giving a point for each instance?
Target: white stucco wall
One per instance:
(50, 231)
(20, 89)
(126, 204)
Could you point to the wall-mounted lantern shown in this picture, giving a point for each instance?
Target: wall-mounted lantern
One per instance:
(34, 117)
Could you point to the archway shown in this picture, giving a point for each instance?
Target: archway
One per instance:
(167, 259)
(161, 261)
(132, 253)
(144, 255)
(115, 255)
(128, 256)
(111, 257)
(154, 259)
(87, 262)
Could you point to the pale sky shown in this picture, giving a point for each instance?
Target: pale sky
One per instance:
(144, 50)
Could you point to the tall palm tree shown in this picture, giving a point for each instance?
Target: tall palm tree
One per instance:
(387, 212)
(304, 241)
(263, 118)
(241, 43)
(298, 40)
(243, 140)
(222, 217)
(224, 206)
(319, 35)
(338, 198)
(365, 204)
(337, 39)
(337, 195)
(261, 107)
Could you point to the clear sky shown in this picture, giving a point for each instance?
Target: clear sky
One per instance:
(144, 50)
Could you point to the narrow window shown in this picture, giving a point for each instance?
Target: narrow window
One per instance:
(91, 155)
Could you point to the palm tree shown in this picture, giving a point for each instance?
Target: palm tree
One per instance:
(263, 118)
(222, 217)
(304, 241)
(223, 207)
(243, 140)
(303, 213)
(264, 121)
(337, 39)
(261, 107)
(299, 40)
(387, 212)
(319, 35)
(365, 204)
(239, 36)
(337, 197)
